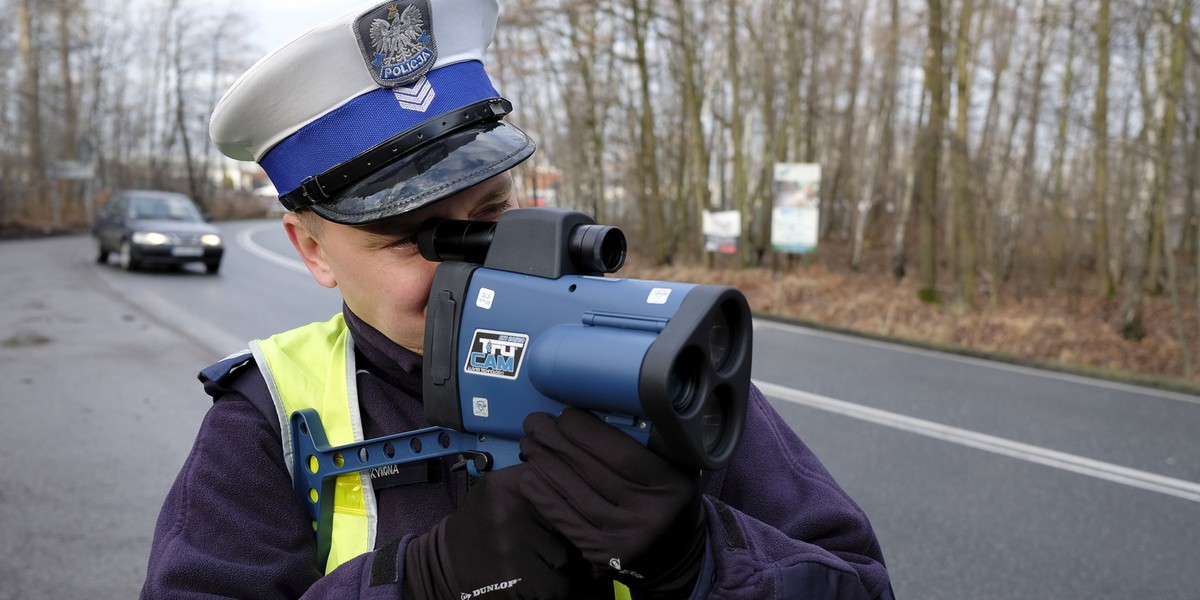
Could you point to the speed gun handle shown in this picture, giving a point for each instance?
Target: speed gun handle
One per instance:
(316, 465)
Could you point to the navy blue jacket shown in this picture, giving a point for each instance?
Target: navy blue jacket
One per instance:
(231, 526)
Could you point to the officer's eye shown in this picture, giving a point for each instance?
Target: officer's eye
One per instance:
(493, 211)
(404, 243)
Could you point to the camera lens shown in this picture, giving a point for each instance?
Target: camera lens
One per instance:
(681, 380)
(720, 338)
(714, 421)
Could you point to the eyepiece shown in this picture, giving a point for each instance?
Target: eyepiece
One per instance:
(463, 241)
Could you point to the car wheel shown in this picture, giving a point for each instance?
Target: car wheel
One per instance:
(128, 261)
(212, 267)
(101, 252)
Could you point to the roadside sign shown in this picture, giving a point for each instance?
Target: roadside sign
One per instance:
(71, 169)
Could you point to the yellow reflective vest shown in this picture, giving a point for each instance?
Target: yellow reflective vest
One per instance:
(313, 367)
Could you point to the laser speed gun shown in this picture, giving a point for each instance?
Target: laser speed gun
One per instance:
(520, 320)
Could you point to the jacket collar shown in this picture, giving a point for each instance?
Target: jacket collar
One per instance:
(388, 358)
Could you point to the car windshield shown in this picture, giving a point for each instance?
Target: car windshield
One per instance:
(163, 208)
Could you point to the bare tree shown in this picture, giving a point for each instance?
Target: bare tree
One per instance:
(814, 53)
(1100, 245)
(1158, 133)
(692, 96)
(64, 12)
(960, 160)
(1172, 88)
(176, 21)
(929, 155)
(900, 231)
(880, 133)
(991, 179)
(1044, 18)
(639, 14)
(737, 126)
(845, 152)
(1058, 194)
(30, 114)
(587, 42)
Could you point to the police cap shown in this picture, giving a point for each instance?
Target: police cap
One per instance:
(376, 113)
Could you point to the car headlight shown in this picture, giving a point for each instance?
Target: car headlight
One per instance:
(210, 239)
(149, 238)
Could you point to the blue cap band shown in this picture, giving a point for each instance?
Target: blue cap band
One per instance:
(370, 119)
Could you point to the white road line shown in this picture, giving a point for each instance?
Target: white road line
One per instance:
(245, 240)
(988, 443)
(980, 362)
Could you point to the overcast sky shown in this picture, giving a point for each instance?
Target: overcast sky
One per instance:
(278, 21)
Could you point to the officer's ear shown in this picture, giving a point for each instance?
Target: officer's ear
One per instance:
(305, 233)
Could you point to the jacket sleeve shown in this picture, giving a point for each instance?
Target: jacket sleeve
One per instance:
(780, 526)
(231, 526)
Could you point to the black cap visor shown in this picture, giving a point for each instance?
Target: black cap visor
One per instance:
(434, 171)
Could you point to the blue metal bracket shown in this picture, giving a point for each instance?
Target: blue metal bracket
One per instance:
(316, 464)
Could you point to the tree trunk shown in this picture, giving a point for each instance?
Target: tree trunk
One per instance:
(1058, 196)
(796, 109)
(1173, 90)
(887, 111)
(866, 201)
(1100, 243)
(775, 142)
(30, 115)
(692, 96)
(70, 110)
(900, 233)
(181, 118)
(812, 111)
(648, 188)
(986, 179)
(581, 20)
(963, 202)
(1159, 133)
(929, 156)
(846, 155)
(1187, 243)
(1028, 175)
(737, 122)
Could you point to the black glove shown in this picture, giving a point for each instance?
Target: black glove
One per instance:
(495, 539)
(634, 515)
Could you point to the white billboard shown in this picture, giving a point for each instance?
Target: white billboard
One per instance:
(796, 214)
(721, 231)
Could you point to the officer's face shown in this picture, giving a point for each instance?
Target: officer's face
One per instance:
(381, 274)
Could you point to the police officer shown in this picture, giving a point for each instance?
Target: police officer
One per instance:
(368, 125)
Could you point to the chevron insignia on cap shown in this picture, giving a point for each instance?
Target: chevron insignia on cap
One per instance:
(417, 96)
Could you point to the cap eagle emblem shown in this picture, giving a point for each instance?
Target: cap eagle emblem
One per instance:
(401, 43)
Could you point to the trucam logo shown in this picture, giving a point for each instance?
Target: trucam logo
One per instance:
(496, 353)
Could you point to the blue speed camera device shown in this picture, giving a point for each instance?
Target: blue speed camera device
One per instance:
(521, 319)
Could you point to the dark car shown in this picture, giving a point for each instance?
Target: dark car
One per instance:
(145, 227)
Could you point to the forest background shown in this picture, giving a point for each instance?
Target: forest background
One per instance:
(1012, 177)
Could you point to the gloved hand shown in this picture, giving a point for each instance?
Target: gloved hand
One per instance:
(634, 515)
(496, 539)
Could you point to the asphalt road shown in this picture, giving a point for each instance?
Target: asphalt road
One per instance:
(983, 480)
